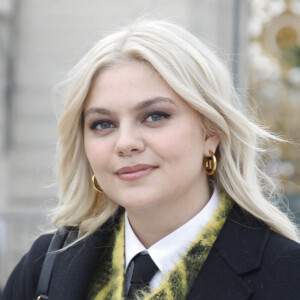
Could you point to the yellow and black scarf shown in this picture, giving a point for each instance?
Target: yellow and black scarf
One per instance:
(108, 281)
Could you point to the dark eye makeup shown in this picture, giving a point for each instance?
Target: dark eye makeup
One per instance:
(152, 117)
(156, 116)
(102, 125)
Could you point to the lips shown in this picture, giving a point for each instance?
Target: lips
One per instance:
(135, 172)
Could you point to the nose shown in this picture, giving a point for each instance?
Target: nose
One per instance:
(129, 140)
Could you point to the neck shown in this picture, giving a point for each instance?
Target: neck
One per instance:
(152, 224)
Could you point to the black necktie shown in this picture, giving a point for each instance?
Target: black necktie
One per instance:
(143, 271)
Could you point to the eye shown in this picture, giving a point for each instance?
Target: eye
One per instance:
(102, 125)
(157, 116)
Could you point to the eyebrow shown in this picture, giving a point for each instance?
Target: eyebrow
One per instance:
(140, 106)
(146, 103)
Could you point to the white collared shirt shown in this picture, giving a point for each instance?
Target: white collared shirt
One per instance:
(168, 251)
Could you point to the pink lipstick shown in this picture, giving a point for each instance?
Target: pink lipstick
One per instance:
(135, 172)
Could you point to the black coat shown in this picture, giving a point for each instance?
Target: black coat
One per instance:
(247, 261)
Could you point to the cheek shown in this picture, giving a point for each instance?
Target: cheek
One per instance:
(97, 153)
(178, 144)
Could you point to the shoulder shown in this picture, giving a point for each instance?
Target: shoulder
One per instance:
(280, 243)
(23, 280)
(254, 234)
(279, 273)
(36, 255)
(273, 261)
(39, 247)
(268, 263)
(282, 254)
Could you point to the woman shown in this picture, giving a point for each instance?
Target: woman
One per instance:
(177, 207)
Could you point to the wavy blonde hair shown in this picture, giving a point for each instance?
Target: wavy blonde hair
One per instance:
(198, 76)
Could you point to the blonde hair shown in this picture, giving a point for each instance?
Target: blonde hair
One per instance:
(199, 77)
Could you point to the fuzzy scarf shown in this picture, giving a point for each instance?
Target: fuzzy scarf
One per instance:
(108, 281)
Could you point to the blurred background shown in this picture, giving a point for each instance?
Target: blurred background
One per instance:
(40, 41)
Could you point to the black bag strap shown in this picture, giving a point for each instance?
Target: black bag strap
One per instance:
(62, 237)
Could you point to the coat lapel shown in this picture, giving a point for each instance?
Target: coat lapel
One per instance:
(218, 281)
(238, 250)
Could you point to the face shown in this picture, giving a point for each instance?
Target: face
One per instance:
(144, 143)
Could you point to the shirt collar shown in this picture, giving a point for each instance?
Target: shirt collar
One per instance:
(167, 251)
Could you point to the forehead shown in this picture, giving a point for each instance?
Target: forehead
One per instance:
(129, 82)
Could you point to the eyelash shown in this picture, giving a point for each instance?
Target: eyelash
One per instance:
(101, 122)
(162, 116)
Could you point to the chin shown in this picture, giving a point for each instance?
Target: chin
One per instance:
(134, 201)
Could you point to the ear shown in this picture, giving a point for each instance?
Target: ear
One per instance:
(211, 143)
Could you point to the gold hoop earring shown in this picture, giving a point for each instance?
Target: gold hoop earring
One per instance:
(96, 185)
(210, 163)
